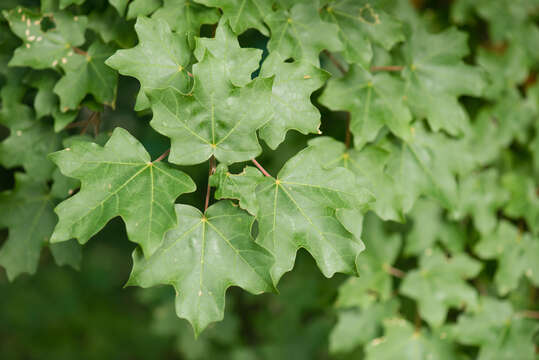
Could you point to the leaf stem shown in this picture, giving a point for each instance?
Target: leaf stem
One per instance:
(347, 136)
(387, 68)
(530, 314)
(208, 189)
(335, 62)
(79, 51)
(394, 271)
(261, 168)
(162, 156)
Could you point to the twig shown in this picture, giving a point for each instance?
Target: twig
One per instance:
(394, 271)
(79, 51)
(530, 314)
(260, 168)
(335, 62)
(387, 68)
(162, 156)
(208, 190)
(347, 136)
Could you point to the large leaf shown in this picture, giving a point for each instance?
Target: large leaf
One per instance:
(304, 207)
(517, 254)
(154, 63)
(216, 118)
(202, 257)
(110, 177)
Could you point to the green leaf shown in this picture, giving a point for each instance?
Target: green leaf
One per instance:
(242, 14)
(292, 108)
(186, 16)
(67, 253)
(523, 198)
(66, 3)
(202, 257)
(517, 255)
(237, 64)
(88, 74)
(430, 226)
(237, 186)
(42, 49)
(402, 341)
(154, 63)
(142, 8)
(480, 196)
(299, 33)
(500, 332)
(439, 284)
(361, 23)
(28, 147)
(374, 282)
(304, 207)
(436, 76)
(216, 118)
(27, 211)
(111, 27)
(374, 101)
(357, 327)
(109, 176)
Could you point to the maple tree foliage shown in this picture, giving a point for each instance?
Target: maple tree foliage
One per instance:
(415, 176)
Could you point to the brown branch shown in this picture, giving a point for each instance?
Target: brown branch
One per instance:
(394, 271)
(387, 68)
(335, 62)
(208, 190)
(262, 170)
(530, 314)
(347, 136)
(162, 156)
(79, 51)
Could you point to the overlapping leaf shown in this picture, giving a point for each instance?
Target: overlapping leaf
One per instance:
(361, 23)
(374, 101)
(242, 14)
(203, 256)
(305, 206)
(154, 63)
(186, 16)
(216, 118)
(110, 176)
(439, 283)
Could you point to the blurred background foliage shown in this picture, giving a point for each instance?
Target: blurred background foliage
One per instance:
(60, 313)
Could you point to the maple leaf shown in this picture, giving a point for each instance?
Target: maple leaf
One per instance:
(402, 341)
(202, 257)
(214, 119)
(310, 207)
(292, 109)
(154, 63)
(444, 277)
(236, 63)
(523, 198)
(374, 101)
(242, 14)
(498, 330)
(436, 76)
(517, 255)
(186, 16)
(360, 24)
(42, 49)
(109, 176)
(299, 33)
(87, 74)
(27, 211)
